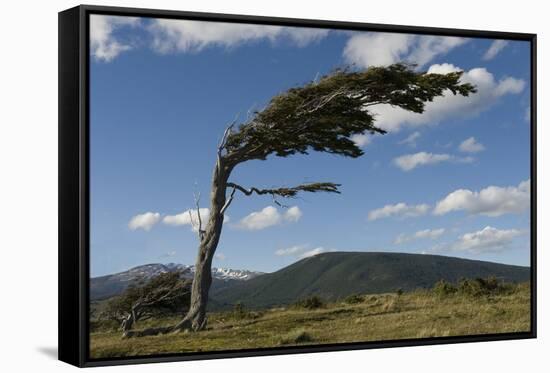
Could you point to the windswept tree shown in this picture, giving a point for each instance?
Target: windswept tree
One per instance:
(166, 294)
(321, 116)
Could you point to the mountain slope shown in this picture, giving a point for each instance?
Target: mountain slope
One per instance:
(339, 274)
(107, 286)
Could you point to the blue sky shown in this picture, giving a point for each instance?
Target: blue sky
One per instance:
(452, 181)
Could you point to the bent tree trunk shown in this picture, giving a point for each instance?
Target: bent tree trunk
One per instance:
(129, 321)
(196, 316)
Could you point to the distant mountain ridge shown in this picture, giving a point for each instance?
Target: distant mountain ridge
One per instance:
(332, 276)
(336, 275)
(107, 286)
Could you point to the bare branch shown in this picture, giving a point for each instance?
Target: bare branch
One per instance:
(200, 231)
(228, 201)
(226, 134)
(322, 101)
(224, 137)
(191, 218)
(250, 113)
(316, 79)
(197, 200)
(288, 192)
(278, 203)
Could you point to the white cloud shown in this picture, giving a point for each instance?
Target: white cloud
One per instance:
(428, 47)
(103, 45)
(491, 201)
(467, 159)
(267, 217)
(470, 145)
(443, 68)
(292, 250)
(423, 234)
(398, 210)
(189, 217)
(430, 233)
(301, 251)
(411, 139)
(488, 239)
(169, 254)
(170, 35)
(409, 162)
(509, 85)
(220, 256)
(293, 214)
(450, 106)
(494, 49)
(445, 145)
(144, 221)
(376, 49)
(313, 252)
(361, 140)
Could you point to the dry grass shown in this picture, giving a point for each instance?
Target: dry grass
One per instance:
(296, 337)
(378, 317)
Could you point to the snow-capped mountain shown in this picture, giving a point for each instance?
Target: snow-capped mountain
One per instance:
(110, 285)
(148, 271)
(232, 274)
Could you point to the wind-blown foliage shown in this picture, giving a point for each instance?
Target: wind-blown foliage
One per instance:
(288, 192)
(323, 115)
(165, 294)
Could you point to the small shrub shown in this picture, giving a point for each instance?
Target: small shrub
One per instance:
(483, 287)
(392, 304)
(473, 287)
(296, 336)
(444, 288)
(239, 312)
(310, 303)
(104, 325)
(469, 287)
(354, 299)
(238, 309)
(399, 292)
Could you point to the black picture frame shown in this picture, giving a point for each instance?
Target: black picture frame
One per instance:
(74, 178)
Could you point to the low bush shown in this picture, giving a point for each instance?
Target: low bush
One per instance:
(473, 287)
(295, 337)
(483, 287)
(354, 299)
(392, 304)
(239, 312)
(103, 325)
(444, 288)
(310, 303)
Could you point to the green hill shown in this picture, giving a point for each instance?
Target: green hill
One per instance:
(339, 274)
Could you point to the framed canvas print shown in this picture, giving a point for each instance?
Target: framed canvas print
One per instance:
(238, 186)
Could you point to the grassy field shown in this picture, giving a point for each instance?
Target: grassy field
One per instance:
(418, 314)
